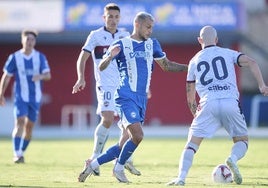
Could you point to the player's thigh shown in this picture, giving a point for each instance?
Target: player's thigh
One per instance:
(130, 113)
(33, 111)
(233, 119)
(20, 109)
(105, 98)
(205, 123)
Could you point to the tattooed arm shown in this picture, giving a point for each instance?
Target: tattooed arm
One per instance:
(171, 66)
(190, 93)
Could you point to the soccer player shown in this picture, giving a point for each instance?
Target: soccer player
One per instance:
(30, 68)
(212, 75)
(134, 56)
(107, 81)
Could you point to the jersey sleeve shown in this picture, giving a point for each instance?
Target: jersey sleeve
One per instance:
(10, 65)
(191, 72)
(157, 50)
(44, 66)
(90, 43)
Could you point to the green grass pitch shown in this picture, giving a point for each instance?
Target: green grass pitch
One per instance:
(57, 163)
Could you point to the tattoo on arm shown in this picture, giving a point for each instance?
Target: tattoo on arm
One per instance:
(191, 97)
(172, 66)
(192, 107)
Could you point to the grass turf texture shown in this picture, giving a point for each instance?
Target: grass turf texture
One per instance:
(57, 163)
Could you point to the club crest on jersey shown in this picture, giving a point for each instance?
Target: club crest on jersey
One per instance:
(149, 46)
(106, 103)
(133, 114)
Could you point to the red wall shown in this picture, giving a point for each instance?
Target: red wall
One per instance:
(168, 102)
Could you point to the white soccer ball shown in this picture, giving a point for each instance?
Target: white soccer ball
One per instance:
(222, 174)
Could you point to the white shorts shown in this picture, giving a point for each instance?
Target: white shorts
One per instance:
(218, 113)
(105, 97)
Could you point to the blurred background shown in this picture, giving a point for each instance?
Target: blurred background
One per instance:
(63, 26)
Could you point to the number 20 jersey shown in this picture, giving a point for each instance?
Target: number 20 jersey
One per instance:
(213, 71)
(97, 43)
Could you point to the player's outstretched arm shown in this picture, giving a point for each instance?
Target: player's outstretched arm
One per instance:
(246, 61)
(171, 66)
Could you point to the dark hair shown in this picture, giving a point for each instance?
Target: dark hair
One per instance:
(111, 6)
(29, 31)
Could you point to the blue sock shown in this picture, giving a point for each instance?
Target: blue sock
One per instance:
(16, 143)
(127, 150)
(25, 144)
(110, 154)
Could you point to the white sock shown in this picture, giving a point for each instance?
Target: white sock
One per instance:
(239, 150)
(94, 164)
(100, 138)
(129, 159)
(186, 160)
(118, 167)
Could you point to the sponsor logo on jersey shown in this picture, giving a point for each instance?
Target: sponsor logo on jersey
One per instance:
(219, 88)
(140, 54)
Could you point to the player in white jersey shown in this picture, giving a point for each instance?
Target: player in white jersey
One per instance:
(107, 81)
(30, 68)
(211, 74)
(134, 56)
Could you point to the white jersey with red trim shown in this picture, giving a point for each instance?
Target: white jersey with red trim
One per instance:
(212, 69)
(97, 43)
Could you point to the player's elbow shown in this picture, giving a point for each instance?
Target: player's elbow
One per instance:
(101, 67)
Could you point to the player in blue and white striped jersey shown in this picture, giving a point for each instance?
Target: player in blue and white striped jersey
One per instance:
(134, 56)
(96, 45)
(30, 68)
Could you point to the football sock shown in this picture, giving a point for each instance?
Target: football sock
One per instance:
(127, 150)
(100, 137)
(25, 144)
(187, 159)
(110, 154)
(16, 146)
(239, 150)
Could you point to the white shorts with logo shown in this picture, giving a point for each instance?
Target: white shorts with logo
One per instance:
(105, 97)
(218, 113)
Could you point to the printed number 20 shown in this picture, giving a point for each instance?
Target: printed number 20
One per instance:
(205, 67)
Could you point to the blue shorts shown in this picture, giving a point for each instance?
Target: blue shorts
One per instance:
(29, 109)
(131, 108)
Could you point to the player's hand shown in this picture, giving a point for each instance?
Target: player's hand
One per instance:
(115, 50)
(37, 77)
(264, 90)
(2, 100)
(79, 86)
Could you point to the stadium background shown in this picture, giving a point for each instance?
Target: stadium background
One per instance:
(64, 26)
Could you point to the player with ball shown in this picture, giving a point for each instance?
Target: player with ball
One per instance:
(210, 69)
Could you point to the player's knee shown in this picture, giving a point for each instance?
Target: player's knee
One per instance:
(137, 138)
(107, 122)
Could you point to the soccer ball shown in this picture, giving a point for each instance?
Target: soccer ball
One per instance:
(222, 174)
